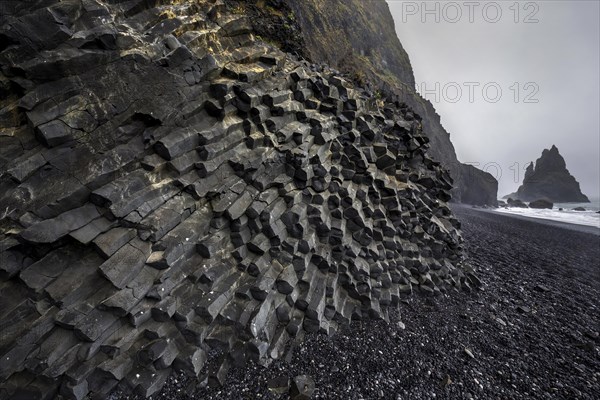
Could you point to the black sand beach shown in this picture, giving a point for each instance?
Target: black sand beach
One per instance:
(531, 332)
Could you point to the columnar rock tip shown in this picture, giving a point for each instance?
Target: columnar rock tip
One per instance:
(241, 199)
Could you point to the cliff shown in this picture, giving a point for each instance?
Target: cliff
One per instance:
(180, 194)
(359, 38)
(355, 36)
(550, 179)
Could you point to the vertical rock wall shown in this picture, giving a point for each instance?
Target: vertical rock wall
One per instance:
(359, 37)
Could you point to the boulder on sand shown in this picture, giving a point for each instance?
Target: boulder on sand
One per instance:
(516, 203)
(541, 203)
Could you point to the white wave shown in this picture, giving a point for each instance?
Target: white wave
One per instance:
(588, 218)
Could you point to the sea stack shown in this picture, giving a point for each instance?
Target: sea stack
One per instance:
(550, 179)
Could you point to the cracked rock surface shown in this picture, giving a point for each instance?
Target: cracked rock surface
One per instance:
(530, 332)
(175, 190)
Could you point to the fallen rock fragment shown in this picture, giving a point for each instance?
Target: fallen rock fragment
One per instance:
(279, 385)
(523, 309)
(469, 353)
(446, 381)
(302, 387)
(541, 288)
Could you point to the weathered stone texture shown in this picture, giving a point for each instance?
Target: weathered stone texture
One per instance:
(172, 185)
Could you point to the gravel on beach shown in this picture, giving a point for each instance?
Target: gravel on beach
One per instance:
(530, 332)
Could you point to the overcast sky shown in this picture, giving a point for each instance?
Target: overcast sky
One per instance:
(546, 65)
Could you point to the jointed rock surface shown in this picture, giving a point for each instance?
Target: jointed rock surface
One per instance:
(173, 187)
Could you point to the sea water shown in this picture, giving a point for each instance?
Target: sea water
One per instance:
(589, 217)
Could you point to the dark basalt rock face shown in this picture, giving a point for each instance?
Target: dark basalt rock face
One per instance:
(356, 36)
(551, 180)
(516, 203)
(174, 188)
(541, 203)
(478, 187)
(359, 38)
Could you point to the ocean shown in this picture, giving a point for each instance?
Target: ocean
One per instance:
(589, 217)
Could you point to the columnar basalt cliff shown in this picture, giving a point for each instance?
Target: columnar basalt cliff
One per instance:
(549, 179)
(174, 188)
(359, 38)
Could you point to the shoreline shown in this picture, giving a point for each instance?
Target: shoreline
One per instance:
(558, 224)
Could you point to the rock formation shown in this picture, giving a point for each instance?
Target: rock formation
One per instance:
(541, 203)
(367, 47)
(177, 190)
(516, 203)
(550, 180)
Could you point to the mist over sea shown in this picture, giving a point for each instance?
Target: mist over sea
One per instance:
(589, 217)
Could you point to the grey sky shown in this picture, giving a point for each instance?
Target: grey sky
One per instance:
(558, 54)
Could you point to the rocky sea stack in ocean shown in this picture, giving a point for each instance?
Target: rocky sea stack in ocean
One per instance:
(177, 189)
(549, 179)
